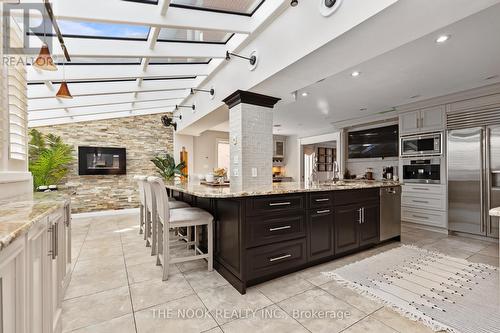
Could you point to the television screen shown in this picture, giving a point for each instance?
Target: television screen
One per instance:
(374, 143)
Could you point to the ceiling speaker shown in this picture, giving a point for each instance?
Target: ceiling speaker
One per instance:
(328, 7)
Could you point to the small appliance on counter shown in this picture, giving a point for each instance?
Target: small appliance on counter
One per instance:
(369, 174)
(388, 172)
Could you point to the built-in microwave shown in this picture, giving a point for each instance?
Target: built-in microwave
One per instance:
(422, 145)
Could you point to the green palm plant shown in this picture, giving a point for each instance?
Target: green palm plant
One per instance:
(50, 158)
(167, 168)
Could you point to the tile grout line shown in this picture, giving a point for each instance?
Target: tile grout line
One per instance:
(128, 285)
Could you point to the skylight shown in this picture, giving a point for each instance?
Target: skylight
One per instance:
(245, 7)
(100, 30)
(156, 61)
(101, 61)
(194, 36)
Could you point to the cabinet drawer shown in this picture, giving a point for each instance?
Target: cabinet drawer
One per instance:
(320, 199)
(425, 216)
(349, 197)
(420, 201)
(266, 230)
(271, 259)
(424, 189)
(265, 205)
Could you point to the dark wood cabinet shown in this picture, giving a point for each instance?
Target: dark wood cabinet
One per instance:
(265, 230)
(347, 221)
(320, 228)
(369, 227)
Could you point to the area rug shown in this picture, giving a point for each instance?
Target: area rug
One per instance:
(445, 293)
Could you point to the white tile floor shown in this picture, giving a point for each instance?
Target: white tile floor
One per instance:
(116, 287)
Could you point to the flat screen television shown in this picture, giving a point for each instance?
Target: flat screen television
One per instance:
(374, 142)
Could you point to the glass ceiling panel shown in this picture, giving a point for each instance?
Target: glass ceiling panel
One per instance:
(98, 61)
(194, 36)
(100, 30)
(247, 7)
(154, 61)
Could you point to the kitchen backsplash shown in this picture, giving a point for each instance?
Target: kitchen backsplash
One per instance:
(358, 167)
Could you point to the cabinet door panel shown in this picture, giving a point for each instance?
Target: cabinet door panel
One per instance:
(321, 234)
(432, 119)
(409, 122)
(347, 220)
(369, 228)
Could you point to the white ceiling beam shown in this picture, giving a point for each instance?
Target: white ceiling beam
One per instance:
(106, 88)
(96, 117)
(153, 37)
(125, 12)
(96, 110)
(105, 72)
(164, 5)
(88, 47)
(36, 105)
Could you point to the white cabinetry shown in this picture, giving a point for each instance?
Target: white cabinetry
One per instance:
(33, 276)
(422, 121)
(424, 204)
(13, 288)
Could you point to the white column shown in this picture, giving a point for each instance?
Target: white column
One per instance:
(251, 140)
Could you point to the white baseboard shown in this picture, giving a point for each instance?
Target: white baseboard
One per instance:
(117, 212)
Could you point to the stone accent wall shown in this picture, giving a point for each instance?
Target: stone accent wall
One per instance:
(142, 136)
(251, 146)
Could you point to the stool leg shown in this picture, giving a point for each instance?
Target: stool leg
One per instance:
(147, 228)
(141, 219)
(188, 231)
(160, 243)
(154, 235)
(210, 234)
(166, 253)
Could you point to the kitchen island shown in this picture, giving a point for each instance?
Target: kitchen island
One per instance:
(264, 233)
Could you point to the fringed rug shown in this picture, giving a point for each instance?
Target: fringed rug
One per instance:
(443, 292)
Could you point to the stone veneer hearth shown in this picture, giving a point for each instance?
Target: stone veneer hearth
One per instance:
(142, 136)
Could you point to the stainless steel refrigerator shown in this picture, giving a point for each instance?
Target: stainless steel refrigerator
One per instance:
(473, 179)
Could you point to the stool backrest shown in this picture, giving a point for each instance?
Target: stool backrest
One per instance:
(160, 195)
(142, 192)
(150, 196)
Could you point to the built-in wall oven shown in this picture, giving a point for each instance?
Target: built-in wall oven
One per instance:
(423, 171)
(422, 145)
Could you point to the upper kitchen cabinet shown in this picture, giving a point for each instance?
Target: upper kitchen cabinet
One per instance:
(425, 120)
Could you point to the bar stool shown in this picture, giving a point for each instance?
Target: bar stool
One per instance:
(142, 202)
(150, 215)
(176, 218)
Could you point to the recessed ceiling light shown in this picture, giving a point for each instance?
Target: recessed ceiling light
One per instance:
(355, 74)
(415, 96)
(442, 38)
(363, 109)
(492, 77)
(277, 125)
(305, 94)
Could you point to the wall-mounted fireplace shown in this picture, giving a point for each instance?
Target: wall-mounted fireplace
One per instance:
(102, 161)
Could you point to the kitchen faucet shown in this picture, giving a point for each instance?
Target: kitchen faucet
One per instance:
(336, 172)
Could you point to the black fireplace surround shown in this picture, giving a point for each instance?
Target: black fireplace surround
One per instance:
(102, 161)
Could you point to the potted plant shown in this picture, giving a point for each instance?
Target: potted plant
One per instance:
(167, 168)
(49, 160)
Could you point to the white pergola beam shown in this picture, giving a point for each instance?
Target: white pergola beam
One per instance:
(88, 47)
(126, 12)
(96, 117)
(97, 110)
(37, 105)
(106, 88)
(108, 72)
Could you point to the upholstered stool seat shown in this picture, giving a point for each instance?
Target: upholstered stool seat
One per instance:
(177, 204)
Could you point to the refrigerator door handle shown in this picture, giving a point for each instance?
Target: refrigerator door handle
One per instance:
(481, 179)
(487, 188)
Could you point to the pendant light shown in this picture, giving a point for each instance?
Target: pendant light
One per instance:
(44, 60)
(63, 91)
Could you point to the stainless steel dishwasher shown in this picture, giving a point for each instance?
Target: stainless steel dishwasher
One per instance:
(390, 212)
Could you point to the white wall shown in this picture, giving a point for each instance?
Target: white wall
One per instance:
(188, 142)
(205, 151)
(292, 157)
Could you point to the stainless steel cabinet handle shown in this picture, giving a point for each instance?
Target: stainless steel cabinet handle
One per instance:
(363, 214)
(420, 217)
(322, 200)
(280, 204)
(280, 228)
(280, 258)
(56, 236)
(323, 211)
(52, 251)
(360, 215)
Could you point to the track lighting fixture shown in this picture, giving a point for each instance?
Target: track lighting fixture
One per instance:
(252, 59)
(177, 107)
(211, 91)
(294, 3)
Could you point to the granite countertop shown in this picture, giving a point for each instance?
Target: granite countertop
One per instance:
(207, 191)
(17, 217)
(495, 212)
